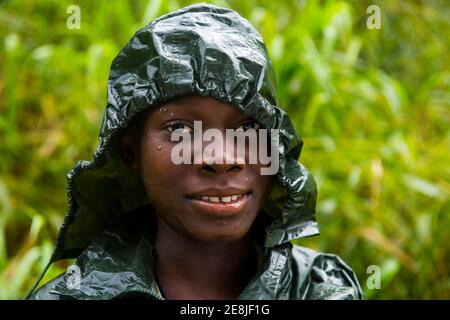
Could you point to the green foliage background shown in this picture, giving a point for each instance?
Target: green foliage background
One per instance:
(371, 105)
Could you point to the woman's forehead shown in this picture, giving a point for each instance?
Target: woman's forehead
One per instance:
(198, 108)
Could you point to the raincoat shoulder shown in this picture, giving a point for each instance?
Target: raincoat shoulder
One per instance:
(323, 276)
(44, 292)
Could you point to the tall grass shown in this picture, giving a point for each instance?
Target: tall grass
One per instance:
(371, 105)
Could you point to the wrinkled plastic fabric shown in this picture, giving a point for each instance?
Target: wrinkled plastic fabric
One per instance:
(211, 51)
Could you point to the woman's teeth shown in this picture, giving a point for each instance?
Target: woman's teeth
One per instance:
(221, 199)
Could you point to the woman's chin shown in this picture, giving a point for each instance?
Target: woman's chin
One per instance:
(224, 234)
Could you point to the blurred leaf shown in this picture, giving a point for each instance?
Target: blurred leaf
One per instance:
(422, 186)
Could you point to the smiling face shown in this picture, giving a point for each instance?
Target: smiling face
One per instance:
(205, 202)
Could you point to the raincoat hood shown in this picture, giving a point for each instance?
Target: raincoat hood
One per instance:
(200, 49)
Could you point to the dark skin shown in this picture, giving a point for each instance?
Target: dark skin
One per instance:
(204, 248)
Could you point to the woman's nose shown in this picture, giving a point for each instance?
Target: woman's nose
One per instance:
(220, 168)
(218, 160)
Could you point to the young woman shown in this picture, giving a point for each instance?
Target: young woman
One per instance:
(143, 225)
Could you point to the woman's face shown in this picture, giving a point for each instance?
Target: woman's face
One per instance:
(204, 201)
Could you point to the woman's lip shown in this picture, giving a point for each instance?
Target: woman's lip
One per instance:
(220, 208)
(219, 198)
(218, 192)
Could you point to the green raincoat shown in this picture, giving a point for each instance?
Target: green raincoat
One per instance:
(211, 51)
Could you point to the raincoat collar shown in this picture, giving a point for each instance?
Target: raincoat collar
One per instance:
(108, 274)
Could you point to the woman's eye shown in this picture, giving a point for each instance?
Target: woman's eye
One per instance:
(249, 125)
(180, 128)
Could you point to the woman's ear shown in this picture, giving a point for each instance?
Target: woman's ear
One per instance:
(128, 149)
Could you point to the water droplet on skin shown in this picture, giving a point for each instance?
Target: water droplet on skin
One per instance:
(171, 114)
(159, 148)
(163, 109)
(246, 178)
